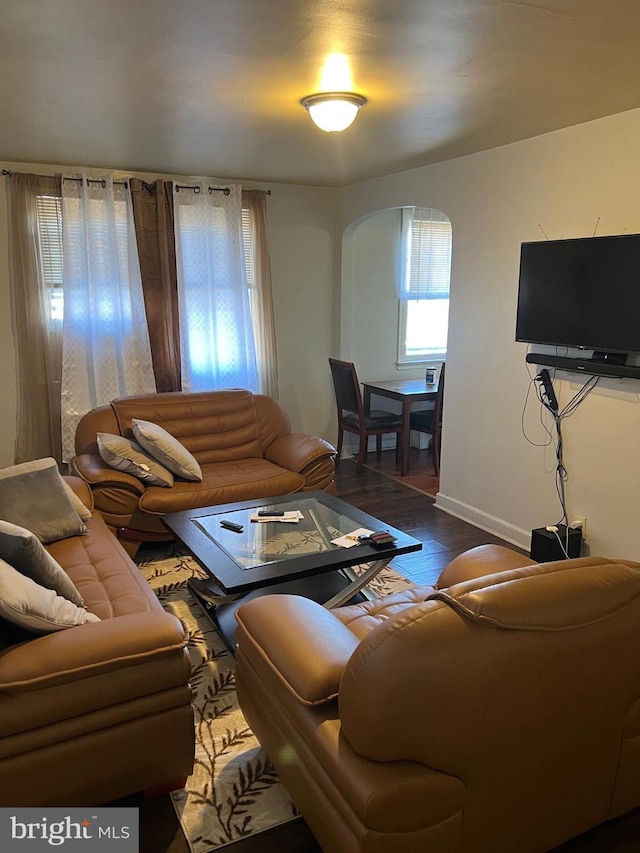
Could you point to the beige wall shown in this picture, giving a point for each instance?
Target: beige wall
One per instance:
(304, 253)
(563, 182)
(302, 223)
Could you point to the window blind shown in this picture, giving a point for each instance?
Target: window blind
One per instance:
(426, 242)
(247, 244)
(49, 212)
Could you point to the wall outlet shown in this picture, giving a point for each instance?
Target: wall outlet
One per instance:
(581, 522)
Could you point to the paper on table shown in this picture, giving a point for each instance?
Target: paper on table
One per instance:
(289, 517)
(351, 539)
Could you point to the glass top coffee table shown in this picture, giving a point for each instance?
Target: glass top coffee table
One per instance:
(276, 556)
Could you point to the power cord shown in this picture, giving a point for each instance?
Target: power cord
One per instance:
(547, 442)
(565, 547)
(546, 396)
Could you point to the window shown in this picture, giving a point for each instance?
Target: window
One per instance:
(49, 211)
(423, 284)
(50, 241)
(216, 327)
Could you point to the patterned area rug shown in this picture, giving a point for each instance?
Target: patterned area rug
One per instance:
(234, 791)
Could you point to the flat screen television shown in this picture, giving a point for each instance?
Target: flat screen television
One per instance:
(582, 293)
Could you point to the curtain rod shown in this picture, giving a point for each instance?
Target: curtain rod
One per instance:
(179, 187)
(97, 181)
(89, 180)
(224, 190)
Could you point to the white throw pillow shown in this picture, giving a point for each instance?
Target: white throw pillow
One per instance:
(166, 449)
(29, 605)
(127, 456)
(24, 551)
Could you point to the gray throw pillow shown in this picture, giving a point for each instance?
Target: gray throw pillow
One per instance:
(166, 449)
(127, 456)
(29, 605)
(24, 551)
(33, 495)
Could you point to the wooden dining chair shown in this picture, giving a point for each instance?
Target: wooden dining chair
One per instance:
(353, 418)
(430, 421)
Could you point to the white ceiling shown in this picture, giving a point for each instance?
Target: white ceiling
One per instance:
(212, 87)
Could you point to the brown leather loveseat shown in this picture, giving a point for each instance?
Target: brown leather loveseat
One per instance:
(498, 711)
(242, 442)
(101, 710)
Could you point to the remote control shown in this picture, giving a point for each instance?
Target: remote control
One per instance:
(267, 513)
(231, 525)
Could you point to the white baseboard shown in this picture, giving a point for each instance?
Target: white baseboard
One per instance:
(496, 526)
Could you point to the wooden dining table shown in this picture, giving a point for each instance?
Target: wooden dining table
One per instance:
(407, 392)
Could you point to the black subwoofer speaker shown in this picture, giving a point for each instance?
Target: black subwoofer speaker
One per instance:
(545, 546)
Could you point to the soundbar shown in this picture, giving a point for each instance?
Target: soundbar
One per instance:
(585, 365)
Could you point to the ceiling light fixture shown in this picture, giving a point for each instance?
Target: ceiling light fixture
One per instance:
(333, 111)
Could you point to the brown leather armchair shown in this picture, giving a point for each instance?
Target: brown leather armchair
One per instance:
(497, 711)
(242, 441)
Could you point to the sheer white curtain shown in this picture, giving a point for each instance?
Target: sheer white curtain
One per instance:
(216, 336)
(105, 342)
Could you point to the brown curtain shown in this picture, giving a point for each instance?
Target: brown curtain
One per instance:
(264, 326)
(38, 348)
(153, 217)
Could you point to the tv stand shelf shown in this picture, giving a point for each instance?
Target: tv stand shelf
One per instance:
(585, 365)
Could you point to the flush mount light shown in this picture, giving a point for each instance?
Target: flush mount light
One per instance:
(333, 111)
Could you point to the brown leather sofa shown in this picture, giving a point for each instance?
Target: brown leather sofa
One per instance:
(95, 712)
(497, 711)
(242, 441)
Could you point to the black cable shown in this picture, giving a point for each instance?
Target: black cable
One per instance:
(561, 471)
(561, 474)
(579, 396)
(532, 383)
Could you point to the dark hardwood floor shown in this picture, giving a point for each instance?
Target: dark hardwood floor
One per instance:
(443, 538)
